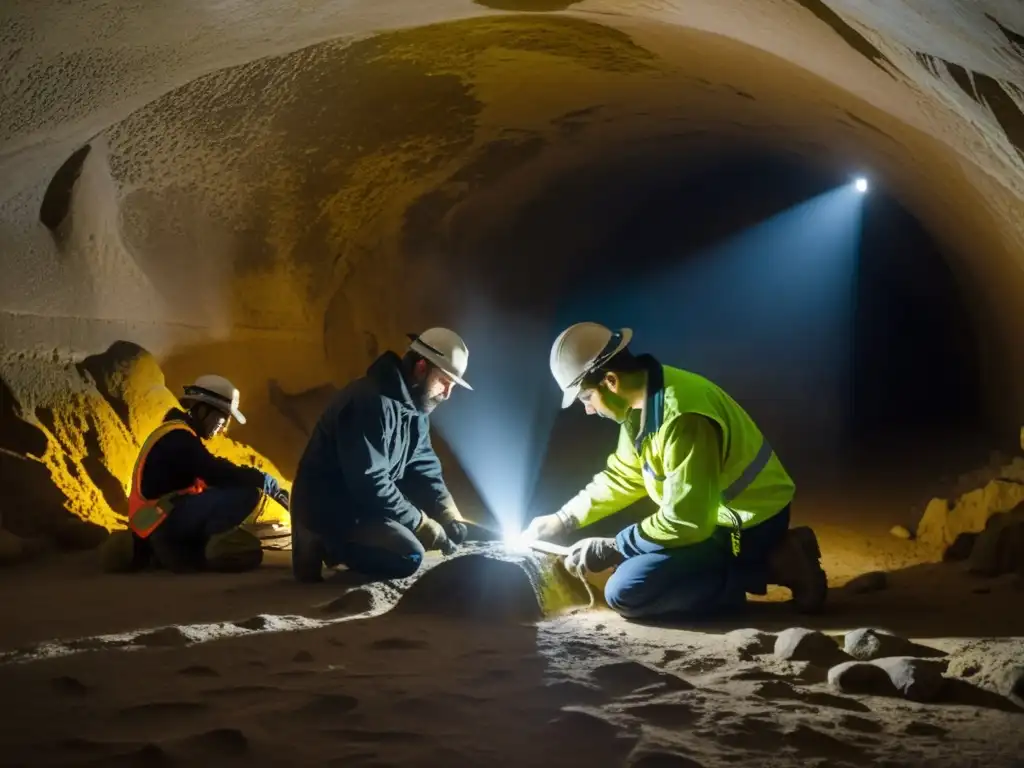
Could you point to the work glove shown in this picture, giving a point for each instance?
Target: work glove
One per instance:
(431, 535)
(547, 527)
(270, 485)
(595, 555)
(282, 498)
(453, 525)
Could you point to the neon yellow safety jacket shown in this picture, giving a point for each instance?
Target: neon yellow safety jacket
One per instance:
(698, 456)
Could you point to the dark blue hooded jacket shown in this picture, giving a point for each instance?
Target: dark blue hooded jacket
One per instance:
(369, 458)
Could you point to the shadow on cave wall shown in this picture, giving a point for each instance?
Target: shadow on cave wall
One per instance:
(850, 36)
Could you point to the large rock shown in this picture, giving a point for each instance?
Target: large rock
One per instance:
(483, 581)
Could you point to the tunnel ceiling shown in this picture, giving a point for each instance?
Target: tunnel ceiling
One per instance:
(301, 163)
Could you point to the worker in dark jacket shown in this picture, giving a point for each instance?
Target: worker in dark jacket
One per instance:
(369, 492)
(186, 505)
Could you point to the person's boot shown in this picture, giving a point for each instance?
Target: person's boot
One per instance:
(796, 565)
(233, 551)
(308, 555)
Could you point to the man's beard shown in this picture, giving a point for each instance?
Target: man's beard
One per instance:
(421, 400)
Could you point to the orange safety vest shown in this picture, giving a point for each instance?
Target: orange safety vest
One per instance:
(145, 515)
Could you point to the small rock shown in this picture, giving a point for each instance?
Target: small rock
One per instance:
(303, 657)
(914, 679)
(867, 644)
(860, 677)
(166, 637)
(875, 581)
(901, 532)
(253, 623)
(800, 644)
(750, 642)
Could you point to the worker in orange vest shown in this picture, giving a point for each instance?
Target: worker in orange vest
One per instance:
(186, 505)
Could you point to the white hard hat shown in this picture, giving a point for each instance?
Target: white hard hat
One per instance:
(445, 349)
(581, 349)
(215, 391)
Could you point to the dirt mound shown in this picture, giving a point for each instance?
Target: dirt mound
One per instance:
(69, 436)
(475, 586)
(484, 581)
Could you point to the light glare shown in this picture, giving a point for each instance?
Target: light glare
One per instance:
(861, 184)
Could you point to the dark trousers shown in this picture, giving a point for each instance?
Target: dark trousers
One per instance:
(379, 549)
(697, 580)
(179, 542)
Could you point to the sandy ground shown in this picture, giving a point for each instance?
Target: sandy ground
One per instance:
(257, 670)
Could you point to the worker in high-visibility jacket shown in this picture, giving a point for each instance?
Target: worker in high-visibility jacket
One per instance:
(721, 529)
(186, 505)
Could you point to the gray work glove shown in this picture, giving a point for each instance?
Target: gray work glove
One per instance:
(548, 527)
(431, 535)
(453, 525)
(595, 555)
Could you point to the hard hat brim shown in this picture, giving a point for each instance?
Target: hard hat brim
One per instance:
(213, 403)
(439, 362)
(569, 396)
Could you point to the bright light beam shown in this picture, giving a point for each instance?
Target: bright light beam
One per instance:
(861, 185)
(767, 313)
(499, 431)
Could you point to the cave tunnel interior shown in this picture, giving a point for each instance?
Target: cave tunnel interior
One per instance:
(832, 316)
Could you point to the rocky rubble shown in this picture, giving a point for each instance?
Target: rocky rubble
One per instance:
(984, 525)
(873, 662)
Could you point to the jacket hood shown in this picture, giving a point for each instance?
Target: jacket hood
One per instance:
(386, 373)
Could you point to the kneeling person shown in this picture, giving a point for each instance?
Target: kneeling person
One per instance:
(186, 504)
(722, 525)
(369, 491)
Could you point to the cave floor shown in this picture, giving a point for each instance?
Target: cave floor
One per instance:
(583, 688)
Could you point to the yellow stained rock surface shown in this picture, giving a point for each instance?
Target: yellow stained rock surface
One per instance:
(90, 420)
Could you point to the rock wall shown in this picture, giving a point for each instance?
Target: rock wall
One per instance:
(279, 193)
